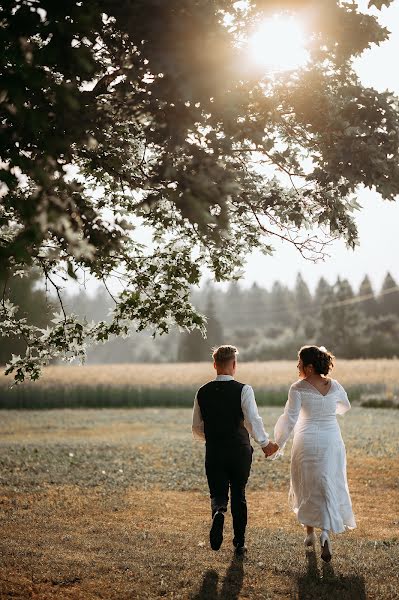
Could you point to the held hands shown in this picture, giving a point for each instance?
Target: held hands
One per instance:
(270, 449)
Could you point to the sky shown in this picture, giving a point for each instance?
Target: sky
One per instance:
(377, 221)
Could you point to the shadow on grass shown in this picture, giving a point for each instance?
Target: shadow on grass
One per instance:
(231, 585)
(326, 585)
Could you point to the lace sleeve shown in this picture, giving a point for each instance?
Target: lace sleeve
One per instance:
(286, 423)
(343, 404)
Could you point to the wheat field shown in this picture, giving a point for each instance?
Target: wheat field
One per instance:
(259, 374)
(368, 382)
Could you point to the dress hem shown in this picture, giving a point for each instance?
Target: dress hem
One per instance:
(319, 526)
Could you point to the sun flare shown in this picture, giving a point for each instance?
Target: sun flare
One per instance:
(278, 44)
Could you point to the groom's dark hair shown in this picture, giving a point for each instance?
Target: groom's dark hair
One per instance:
(224, 354)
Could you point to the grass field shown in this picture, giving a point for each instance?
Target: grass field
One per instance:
(175, 384)
(113, 504)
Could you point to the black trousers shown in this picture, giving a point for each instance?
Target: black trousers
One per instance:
(229, 467)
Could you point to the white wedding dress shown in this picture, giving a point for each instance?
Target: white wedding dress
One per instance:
(319, 493)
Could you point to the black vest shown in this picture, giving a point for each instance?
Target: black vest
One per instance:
(220, 405)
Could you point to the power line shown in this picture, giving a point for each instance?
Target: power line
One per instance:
(362, 298)
(347, 301)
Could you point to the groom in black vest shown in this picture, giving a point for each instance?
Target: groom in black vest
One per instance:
(225, 412)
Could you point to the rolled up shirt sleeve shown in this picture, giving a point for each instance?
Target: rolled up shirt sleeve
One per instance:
(252, 420)
(198, 424)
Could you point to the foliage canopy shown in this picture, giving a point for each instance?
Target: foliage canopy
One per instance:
(122, 114)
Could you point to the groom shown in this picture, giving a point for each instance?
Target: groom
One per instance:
(225, 412)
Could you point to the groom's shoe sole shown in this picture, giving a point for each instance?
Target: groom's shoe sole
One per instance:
(216, 532)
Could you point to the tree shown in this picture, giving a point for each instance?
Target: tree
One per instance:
(303, 316)
(382, 334)
(281, 305)
(151, 104)
(341, 323)
(214, 329)
(368, 302)
(234, 309)
(323, 293)
(303, 301)
(322, 299)
(388, 299)
(257, 307)
(32, 306)
(193, 347)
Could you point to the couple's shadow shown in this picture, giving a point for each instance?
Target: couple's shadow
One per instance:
(311, 586)
(327, 585)
(231, 586)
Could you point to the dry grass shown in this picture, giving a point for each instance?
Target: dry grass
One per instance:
(75, 527)
(263, 375)
(72, 544)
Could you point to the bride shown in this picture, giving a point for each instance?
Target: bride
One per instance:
(319, 493)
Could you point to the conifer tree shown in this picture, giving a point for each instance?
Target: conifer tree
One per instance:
(368, 302)
(193, 347)
(388, 299)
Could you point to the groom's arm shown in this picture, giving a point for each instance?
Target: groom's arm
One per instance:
(254, 423)
(252, 419)
(198, 424)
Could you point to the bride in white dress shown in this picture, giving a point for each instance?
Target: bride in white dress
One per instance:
(319, 493)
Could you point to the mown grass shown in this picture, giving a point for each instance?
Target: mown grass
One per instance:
(113, 504)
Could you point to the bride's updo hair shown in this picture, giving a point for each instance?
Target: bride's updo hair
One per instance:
(320, 358)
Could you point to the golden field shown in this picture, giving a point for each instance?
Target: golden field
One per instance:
(271, 374)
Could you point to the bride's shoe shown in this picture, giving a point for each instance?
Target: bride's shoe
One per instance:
(310, 540)
(325, 544)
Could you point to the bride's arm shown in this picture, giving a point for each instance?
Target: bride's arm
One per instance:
(343, 404)
(286, 423)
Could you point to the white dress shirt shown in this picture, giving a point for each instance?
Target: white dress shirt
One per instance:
(252, 420)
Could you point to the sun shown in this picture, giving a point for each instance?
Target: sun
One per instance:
(278, 44)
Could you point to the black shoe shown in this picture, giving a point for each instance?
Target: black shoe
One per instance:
(240, 548)
(216, 532)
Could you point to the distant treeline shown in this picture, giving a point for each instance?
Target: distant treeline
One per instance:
(272, 324)
(264, 324)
